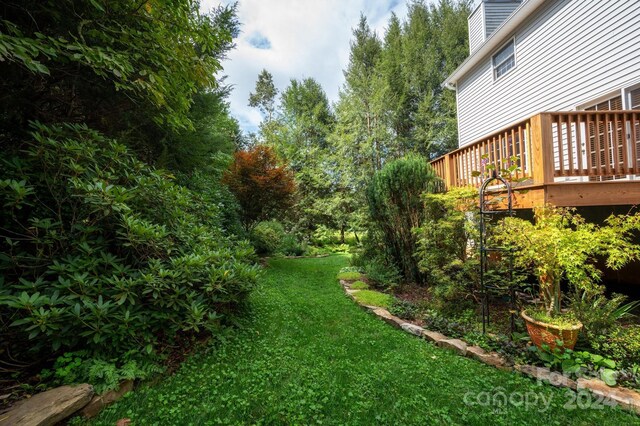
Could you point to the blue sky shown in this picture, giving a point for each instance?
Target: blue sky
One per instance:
(296, 39)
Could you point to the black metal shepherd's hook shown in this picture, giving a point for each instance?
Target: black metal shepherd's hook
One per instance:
(484, 249)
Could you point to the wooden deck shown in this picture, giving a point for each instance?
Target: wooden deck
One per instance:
(573, 158)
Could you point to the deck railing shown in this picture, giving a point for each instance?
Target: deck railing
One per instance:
(576, 146)
(601, 145)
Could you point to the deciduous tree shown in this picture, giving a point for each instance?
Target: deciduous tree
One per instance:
(262, 187)
(127, 69)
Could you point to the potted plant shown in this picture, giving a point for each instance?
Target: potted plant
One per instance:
(561, 246)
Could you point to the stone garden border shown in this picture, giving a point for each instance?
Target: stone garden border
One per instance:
(627, 399)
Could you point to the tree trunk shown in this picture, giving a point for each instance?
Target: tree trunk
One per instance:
(550, 293)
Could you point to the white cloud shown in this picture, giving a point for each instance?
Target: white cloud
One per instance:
(308, 38)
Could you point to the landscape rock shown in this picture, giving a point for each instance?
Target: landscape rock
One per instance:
(433, 336)
(456, 345)
(475, 350)
(386, 315)
(545, 375)
(50, 407)
(412, 328)
(490, 358)
(626, 398)
(98, 402)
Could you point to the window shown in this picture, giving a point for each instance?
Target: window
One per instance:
(504, 60)
(599, 154)
(613, 104)
(634, 98)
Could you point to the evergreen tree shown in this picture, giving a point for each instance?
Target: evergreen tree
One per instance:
(264, 96)
(435, 43)
(359, 128)
(129, 70)
(299, 136)
(392, 102)
(214, 131)
(394, 89)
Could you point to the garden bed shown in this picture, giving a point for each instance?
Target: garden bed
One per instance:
(626, 398)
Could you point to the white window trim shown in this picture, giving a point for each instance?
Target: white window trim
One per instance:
(626, 95)
(515, 61)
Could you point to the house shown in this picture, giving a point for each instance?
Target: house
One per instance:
(553, 85)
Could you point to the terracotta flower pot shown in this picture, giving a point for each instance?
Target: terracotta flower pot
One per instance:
(542, 333)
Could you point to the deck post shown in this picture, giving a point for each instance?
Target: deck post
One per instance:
(449, 170)
(542, 149)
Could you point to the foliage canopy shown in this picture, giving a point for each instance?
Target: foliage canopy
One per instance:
(561, 245)
(101, 252)
(128, 69)
(261, 186)
(395, 206)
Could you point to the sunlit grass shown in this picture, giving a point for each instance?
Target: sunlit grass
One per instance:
(373, 298)
(349, 276)
(359, 285)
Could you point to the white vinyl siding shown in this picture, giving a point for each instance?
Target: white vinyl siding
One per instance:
(496, 12)
(486, 18)
(563, 62)
(476, 29)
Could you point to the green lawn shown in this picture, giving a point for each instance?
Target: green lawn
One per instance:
(309, 355)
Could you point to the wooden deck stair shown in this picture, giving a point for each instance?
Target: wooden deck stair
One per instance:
(572, 158)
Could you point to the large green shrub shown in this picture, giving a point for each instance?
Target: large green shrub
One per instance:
(445, 256)
(200, 181)
(291, 246)
(324, 236)
(382, 273)
(131, 70)
(395, 207)
(267, 237)
(103, 253)
(270, 237)
(448, 226)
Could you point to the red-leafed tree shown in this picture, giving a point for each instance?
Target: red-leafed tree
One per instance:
(262, 187)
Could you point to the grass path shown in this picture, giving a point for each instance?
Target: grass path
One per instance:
(309, 355)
